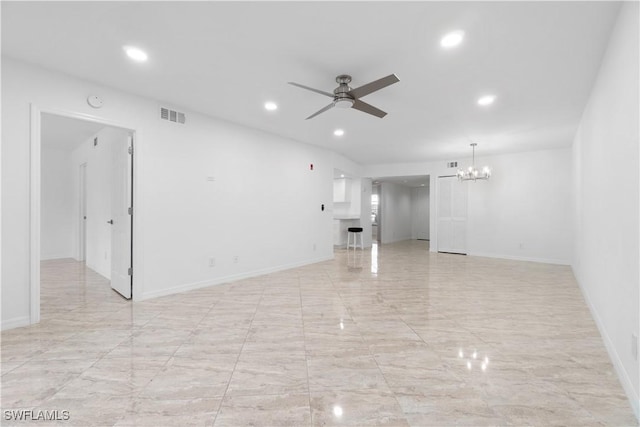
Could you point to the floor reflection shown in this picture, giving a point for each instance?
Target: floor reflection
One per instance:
(374, 258)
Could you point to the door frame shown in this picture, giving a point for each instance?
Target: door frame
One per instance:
(35, 138)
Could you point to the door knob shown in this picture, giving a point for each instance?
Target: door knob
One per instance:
(110, 222)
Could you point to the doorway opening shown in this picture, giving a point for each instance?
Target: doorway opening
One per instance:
(375, 214)
(400, 208)
(82, 213)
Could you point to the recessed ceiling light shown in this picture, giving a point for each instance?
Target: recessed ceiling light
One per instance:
(135, 53)
(270, 106)
(341, 175)
(338, 132)
(486, 100)
(452, 39)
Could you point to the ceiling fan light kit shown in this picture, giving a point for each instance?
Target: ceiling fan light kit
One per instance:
(471, 173)
(346, 97)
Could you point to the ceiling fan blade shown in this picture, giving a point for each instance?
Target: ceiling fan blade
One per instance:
(328, 107)
(364, 90)
(368, 108)
(321, 92)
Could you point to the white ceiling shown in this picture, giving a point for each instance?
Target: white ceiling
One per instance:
(64, 133)
(226, 59)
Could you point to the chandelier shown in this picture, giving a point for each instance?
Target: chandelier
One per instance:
(471, 173)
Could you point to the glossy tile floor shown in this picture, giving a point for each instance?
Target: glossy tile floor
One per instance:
(394, 336)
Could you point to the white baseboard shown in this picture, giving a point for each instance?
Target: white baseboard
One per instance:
(397, 239)
(54, 256)
(16, 322)
(521, 258)
(627, 385)
(226, 279)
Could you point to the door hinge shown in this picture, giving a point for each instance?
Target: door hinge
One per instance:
(130, 271)
(130, 149)
(130, 211)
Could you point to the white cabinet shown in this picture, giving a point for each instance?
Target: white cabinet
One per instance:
(341, 190)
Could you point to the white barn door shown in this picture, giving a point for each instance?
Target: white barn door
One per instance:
(121, 218)
(452, 215)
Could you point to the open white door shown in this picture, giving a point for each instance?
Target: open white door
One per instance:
(452, 215)
(82, 214)
(121, 219)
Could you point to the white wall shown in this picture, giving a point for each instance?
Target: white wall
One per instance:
(524, 210)
(56, 199)
(527, 201)
(606, 187)
(395, 203)
(264, 205)
(420, 217)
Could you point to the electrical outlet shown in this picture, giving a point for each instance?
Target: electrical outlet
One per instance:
(520, 246)
(212, 262)
(314, 246)
(634, 346)
(235, 259)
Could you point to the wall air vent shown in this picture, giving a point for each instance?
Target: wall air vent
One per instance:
(172, 115)
(452, 164)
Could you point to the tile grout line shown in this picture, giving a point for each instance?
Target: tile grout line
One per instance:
(180, 346)
(367, 345)
(91, 366)
(374, 358)
(239, 354)
(161, 368)
(304, 343)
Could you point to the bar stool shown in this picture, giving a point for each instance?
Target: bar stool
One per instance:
(356, 231)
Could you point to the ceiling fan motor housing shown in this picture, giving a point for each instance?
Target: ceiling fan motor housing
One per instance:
(342, 98)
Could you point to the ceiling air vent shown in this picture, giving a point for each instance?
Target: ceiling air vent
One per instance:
(452, 164)
(172, 115)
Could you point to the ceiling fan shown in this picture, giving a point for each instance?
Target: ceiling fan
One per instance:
(346, 97)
